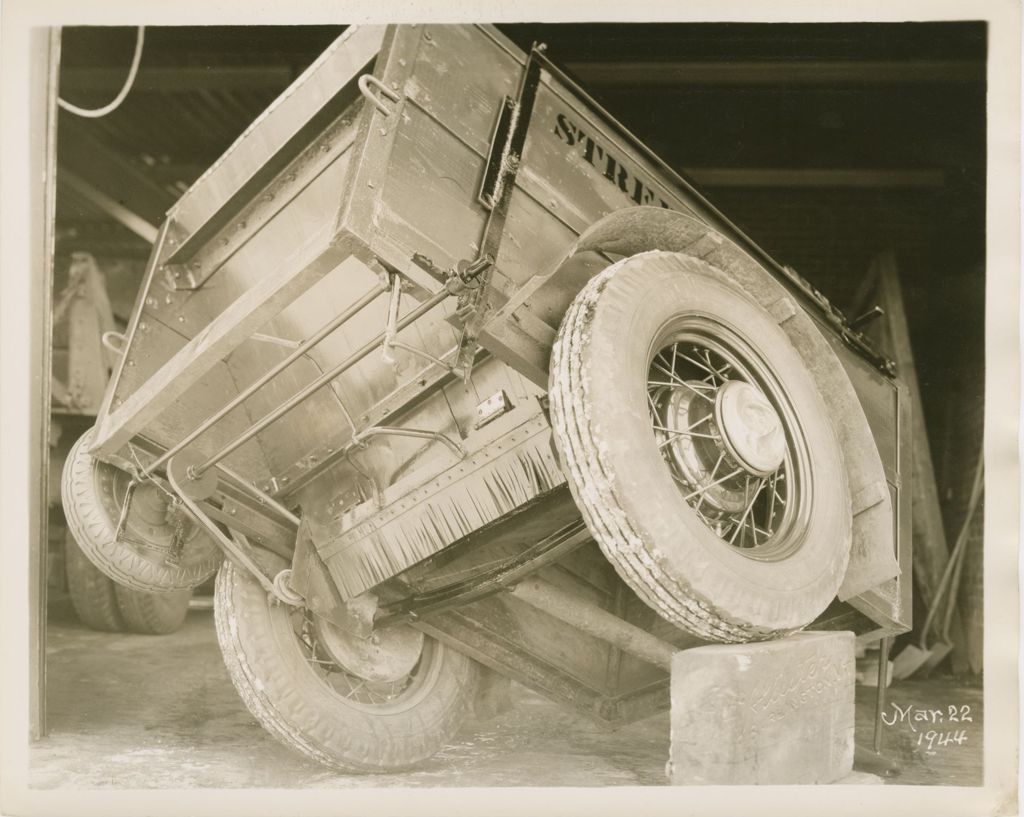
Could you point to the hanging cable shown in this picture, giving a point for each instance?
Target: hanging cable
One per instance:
(96, 113)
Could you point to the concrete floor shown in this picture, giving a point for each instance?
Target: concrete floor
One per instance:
(140, 712)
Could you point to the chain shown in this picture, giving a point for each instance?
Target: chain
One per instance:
(177, 517)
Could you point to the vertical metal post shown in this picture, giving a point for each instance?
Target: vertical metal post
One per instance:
(883, 673)
(44, 56)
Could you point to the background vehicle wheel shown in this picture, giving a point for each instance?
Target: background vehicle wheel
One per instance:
(152, 613)
(93, 494)
(102, 604)
(91, 591)
(397, 703)
(699, 450)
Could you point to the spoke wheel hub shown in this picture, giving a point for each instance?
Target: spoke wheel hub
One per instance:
(694, 443)
(387, 655)
(725, 440)
(751, 429)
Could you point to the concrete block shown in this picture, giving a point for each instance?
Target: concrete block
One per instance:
(777, 712)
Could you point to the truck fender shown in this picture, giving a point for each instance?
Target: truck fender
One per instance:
(523, 331)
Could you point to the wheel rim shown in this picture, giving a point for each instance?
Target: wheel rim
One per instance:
(730, 437)
(377, 697)
(149, 525)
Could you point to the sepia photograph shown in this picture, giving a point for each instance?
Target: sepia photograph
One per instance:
(420, 413)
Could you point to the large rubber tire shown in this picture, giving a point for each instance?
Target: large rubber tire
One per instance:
(92, 592)
(626, 490)
(93, 493)
(278, 684)
(102, 604)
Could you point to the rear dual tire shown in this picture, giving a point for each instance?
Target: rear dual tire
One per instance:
(102, 604)
(93, 494)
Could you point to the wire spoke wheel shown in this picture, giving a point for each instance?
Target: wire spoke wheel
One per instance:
(365, 705)
(699, 450)
(348, 684)
(729, 436)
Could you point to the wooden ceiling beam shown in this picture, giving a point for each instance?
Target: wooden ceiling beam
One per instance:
(92, 160)
(776, 72)
(179, 79)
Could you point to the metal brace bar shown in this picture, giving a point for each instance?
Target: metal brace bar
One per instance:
(263, 497)
(391, 330)
(595, 621)
(455, 370)
(315, 386)
(231, 549)
(373, 431)
(274, 371)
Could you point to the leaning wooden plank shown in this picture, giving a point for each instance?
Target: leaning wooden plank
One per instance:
(931, 550)
(229, 329)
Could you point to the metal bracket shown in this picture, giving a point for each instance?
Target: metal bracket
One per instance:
(391, 330)
(503, 162)
(122, 520)
(368, 80)
(490, 184)
(497, 185)
(114, 341)
(232, 550)
(437, 436)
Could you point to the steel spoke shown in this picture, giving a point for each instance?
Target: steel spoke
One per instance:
(760, 485)
(685, 433)
(714, 470)
(684, 384)
(771, 502)
(696, 423)
(352, 690)
(698, 364)
(719, 372)
(713, 484)
(658, 384)
(672, 375)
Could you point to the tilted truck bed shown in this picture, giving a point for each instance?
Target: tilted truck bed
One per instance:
(402, 155)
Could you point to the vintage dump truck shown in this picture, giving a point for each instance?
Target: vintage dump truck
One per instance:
(452, 379)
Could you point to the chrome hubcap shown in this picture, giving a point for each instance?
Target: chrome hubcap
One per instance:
(751, 429)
